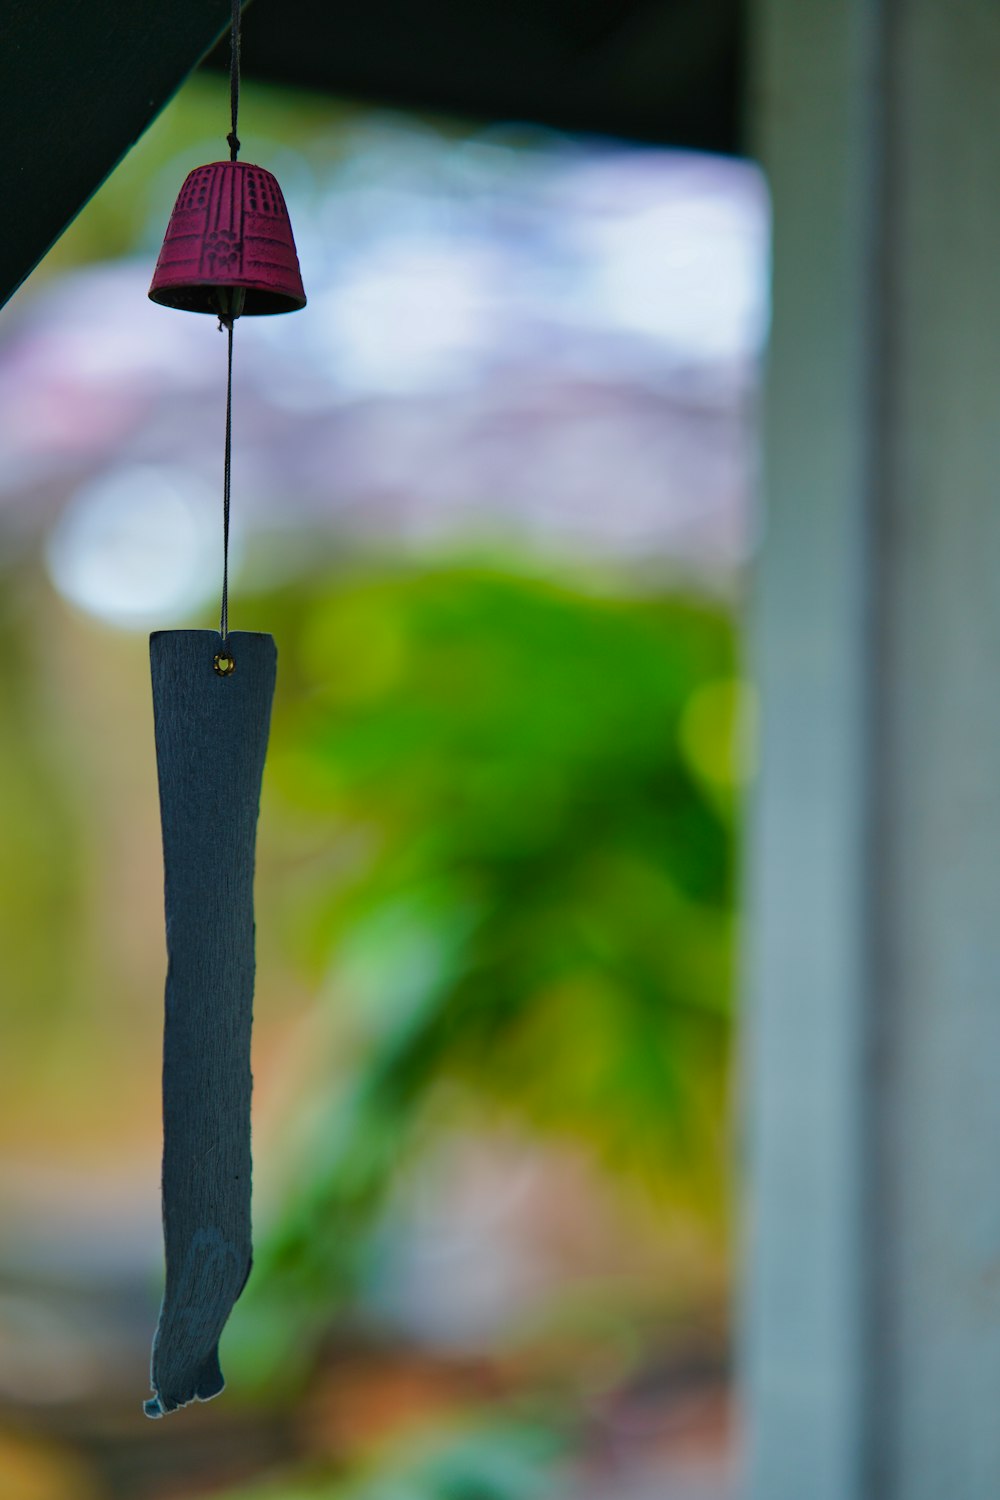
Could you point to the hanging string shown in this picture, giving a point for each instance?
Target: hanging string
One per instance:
(234, 82)
(224, 614)
(226, 320)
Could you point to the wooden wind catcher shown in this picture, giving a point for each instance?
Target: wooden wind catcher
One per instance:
(229, 252)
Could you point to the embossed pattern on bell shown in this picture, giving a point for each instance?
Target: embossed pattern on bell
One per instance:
(229, 228)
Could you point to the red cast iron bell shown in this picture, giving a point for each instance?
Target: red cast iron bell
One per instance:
(229, 248)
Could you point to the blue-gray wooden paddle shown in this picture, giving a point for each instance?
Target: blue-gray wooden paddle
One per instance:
(211, 739)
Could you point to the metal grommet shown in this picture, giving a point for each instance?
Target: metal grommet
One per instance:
(224, 664)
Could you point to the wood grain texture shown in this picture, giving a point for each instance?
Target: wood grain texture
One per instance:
(211, 740)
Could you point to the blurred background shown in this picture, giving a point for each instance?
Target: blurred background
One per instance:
(490, 496)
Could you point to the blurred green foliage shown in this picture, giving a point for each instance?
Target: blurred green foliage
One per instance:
(40, 855)
(483, 1460)
(507, 820)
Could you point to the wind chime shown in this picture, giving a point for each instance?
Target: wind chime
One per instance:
(229, 252)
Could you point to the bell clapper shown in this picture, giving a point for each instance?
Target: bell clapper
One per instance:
(230, 301)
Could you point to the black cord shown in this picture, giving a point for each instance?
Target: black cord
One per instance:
(227, 322)
(224, 616)
(234, 82)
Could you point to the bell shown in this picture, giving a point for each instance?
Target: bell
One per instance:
(229, 248)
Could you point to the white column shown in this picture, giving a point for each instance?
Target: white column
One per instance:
(871, 1347)
(808, 913)
(939, 1074)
